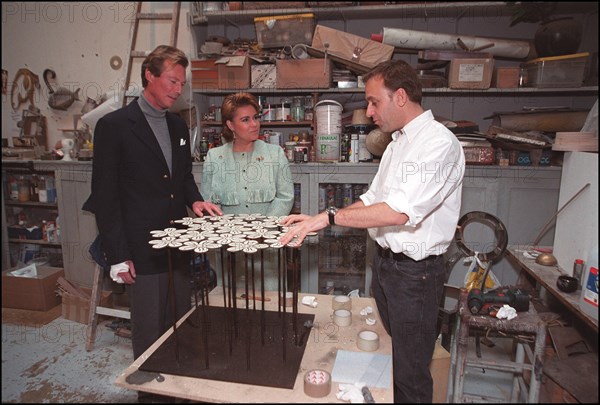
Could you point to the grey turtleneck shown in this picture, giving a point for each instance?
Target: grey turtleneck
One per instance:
(158, 122)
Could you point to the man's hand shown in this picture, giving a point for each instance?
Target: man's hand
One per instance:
(123, 273)
(301, 225)
(200, 206)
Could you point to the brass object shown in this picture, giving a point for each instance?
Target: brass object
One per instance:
(546, 259)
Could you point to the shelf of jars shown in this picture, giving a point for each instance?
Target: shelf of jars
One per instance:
(265, 123)
(426, 90)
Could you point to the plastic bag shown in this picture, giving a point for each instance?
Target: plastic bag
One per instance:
(474, 276)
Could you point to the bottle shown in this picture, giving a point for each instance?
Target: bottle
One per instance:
(283, 112)
(42, 193)
(298, 108)
(588, 301)
(578, 272)
(353, 149)
(345, 148)
(50, 189)
(23, 189)
(34, 189)
(13, 186)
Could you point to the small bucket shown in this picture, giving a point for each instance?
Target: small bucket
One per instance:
(329, 117)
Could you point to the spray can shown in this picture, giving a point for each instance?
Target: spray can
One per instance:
(578, 272)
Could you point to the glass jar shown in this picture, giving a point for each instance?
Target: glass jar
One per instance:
(290, 146)
(298, 108)
(283, 111)
(24, 192)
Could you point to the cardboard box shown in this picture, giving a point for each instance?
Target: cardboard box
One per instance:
(264, 76)
(352, 48)
(304, 73)
(36, 294)
(279, 31)
(471, 73)
(77, 309)
(439, 368)
(205, 74)
(506, 77)
(234, 72)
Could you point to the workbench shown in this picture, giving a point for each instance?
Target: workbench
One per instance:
(564, 369)
(323, 343)
(546, 276)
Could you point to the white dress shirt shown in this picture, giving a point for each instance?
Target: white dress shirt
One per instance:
(421, 175)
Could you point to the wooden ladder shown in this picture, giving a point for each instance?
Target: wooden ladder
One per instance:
(133, 53)
(96, 309)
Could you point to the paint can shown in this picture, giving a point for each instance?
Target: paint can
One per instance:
(328, 147)
(329, 117)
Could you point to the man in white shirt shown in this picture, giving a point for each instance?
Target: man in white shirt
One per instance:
(411, 210)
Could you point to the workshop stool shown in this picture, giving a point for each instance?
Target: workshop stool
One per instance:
(525, 324)
(96, 309)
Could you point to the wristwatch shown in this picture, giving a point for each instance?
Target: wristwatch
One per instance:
(331, 211)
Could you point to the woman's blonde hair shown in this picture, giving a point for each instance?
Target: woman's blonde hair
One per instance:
(230, 105)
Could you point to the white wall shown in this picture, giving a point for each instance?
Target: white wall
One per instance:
(77, 41)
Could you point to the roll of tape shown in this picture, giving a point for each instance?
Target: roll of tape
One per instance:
(368, 340)
(317, 383)
(342, 317)
(341, 302)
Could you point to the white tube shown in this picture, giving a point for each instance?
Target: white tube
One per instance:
(412, 39)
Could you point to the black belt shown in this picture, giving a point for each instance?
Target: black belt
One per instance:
(388, 254)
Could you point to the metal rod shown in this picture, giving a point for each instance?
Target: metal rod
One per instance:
(545, 228)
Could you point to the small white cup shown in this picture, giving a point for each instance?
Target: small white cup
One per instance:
(342, 317)
(341, 302)
(367, 341)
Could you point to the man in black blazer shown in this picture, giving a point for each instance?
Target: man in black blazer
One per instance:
(142, 181)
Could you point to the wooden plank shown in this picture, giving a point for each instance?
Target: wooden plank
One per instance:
(547, 276)
(576, 374)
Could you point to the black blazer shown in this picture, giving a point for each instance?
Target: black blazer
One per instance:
(132, 190)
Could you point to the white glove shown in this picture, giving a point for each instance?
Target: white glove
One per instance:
(116, 269)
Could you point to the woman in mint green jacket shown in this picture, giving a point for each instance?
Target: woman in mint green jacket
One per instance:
(246, 175)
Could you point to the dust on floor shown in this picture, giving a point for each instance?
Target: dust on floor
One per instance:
(44, 360)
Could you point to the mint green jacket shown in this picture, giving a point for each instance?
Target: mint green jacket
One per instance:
(257, 182)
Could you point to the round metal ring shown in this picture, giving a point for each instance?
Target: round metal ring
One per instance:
(116, 62)
(499, 232)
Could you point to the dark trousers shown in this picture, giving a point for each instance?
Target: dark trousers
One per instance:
(151, 309)
(408, 296)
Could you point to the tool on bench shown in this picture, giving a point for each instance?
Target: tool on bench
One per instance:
(487, 303)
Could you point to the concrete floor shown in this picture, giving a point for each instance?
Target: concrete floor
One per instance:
(47, 362)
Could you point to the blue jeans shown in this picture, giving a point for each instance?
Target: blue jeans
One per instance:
(408, 296)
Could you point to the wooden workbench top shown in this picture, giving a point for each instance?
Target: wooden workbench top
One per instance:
(324, 341)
